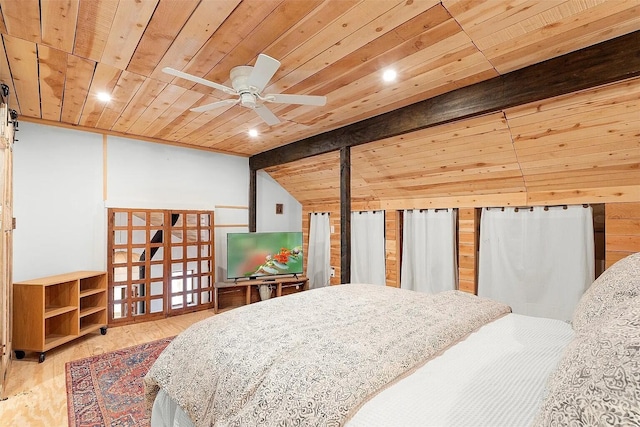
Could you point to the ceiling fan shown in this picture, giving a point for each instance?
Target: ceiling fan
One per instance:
(247, 84)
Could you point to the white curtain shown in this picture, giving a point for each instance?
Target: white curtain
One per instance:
(429, 250)
(318, 260)
(539, 262)
(367, 248)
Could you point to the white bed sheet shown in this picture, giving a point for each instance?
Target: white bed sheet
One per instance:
(495, 377)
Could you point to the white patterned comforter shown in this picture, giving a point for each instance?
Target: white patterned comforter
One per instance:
(313, 358)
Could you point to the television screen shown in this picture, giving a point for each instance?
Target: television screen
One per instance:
(253, 255)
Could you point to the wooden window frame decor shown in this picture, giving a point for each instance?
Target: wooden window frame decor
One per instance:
(160, 263)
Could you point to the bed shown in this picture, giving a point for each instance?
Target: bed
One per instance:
(365, 355)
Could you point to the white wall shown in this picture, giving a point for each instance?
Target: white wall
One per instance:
(269, 193)
(57, 202)
(61, 213)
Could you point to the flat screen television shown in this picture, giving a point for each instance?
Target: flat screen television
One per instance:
(252, 255)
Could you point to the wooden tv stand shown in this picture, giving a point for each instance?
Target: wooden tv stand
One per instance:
(279, 283)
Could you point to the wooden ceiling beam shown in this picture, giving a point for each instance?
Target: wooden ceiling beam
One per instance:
(611, 61)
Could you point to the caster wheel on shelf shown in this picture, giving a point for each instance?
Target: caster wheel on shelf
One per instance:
(41, 358)
(19, 354)
(103, 330)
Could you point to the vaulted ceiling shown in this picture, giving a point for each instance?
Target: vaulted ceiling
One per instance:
(58, 54)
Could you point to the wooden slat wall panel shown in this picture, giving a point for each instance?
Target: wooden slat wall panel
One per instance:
(622, 231)
(585, 140)
(468, 223)
(306, 229)
(581, 148)
(435, 163)
(311, 180)
(392, 248)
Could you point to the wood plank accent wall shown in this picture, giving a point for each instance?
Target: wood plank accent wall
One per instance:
(393, 247)
(579, 148)
(622, 231)
(574, 145)
(468, 228)
(573, 149)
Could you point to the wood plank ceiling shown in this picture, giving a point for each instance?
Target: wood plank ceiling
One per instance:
(58, 54)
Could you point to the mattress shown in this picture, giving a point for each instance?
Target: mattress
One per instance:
(495, 377)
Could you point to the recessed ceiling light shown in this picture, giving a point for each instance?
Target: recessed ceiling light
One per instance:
(389, 75)
(253, 133)
(104, 97)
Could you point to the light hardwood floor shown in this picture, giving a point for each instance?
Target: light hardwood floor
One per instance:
(36, 392)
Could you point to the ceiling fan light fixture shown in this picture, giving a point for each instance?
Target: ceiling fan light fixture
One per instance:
(248, 100)
(247, 83)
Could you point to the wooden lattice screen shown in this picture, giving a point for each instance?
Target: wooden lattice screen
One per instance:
(160, 263)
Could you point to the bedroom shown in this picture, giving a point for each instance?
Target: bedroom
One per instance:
(51, 199)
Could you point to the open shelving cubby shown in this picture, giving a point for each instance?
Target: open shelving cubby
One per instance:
(53, 310)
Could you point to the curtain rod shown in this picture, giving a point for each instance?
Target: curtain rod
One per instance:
(530, 208)
(321, 213)
(422, 210)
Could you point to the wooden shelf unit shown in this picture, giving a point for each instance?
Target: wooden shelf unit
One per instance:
(51, 311)
(279, 283)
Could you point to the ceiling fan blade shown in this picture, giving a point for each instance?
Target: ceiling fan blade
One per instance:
(213, 105)
(263, 71)
(296, 99)
(200, 80)
(266, 115)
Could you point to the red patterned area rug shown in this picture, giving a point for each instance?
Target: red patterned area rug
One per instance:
(108, 389)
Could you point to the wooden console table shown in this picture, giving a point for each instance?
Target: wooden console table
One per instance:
(279, 282)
